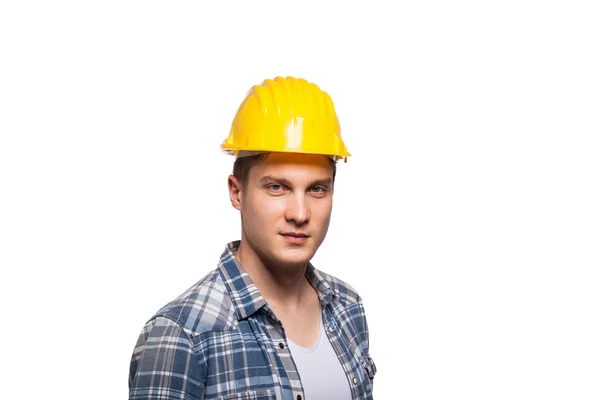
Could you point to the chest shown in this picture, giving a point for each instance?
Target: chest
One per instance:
(254, 360)
(301, 326)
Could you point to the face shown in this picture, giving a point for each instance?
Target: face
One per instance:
(285, 207)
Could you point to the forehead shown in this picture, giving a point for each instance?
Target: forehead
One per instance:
(294, 165)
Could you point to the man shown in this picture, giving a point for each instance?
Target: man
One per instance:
(265, 324)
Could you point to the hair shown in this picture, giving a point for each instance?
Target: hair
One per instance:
(242, 166)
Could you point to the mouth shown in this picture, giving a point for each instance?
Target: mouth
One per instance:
(295, 237)
(295, 234)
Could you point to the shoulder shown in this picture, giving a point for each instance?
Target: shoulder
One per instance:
(345, 292)
(204, 307)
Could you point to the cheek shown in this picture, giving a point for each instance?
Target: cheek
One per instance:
(264, 209)
(321, 211)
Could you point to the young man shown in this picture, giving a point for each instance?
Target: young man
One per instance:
(265, 324)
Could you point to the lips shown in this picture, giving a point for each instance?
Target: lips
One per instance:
(295, 238)
(295, 234)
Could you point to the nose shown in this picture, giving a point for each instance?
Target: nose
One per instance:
(297, 209)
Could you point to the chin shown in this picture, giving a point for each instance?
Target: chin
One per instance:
(294, 257)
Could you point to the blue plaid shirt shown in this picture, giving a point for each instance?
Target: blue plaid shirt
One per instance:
(221, 340)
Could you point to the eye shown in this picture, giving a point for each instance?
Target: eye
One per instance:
(276, 188)
(318, 189)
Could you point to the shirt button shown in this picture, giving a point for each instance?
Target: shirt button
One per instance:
(281, 345)
(354, 380)
(330, 329)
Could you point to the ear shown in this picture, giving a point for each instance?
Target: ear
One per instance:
(235, 192)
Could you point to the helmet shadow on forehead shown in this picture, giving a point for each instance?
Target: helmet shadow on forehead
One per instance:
(243, 165)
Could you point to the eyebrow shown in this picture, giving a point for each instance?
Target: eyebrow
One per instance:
(270, 178)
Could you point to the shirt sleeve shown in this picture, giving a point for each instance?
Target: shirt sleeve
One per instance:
(164, 365)
(368, 362)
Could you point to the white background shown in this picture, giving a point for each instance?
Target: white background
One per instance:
(467, 217)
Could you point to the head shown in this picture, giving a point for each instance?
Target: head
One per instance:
(285, 201)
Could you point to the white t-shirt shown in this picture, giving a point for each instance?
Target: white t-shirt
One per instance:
(320, 370)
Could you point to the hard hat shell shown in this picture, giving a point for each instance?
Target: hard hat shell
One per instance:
(286, 115)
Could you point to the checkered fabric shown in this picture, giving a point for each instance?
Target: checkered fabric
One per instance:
(221, 340)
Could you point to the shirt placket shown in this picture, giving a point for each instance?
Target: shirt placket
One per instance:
(336, 339)
(280, 355)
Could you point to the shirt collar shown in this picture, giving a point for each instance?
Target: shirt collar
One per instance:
(245, 295)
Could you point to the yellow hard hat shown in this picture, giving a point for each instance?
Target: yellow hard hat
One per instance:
(286, 115)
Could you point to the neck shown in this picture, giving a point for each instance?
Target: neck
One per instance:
(280, 284)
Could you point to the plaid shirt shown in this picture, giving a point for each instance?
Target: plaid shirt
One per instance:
(220, 340)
